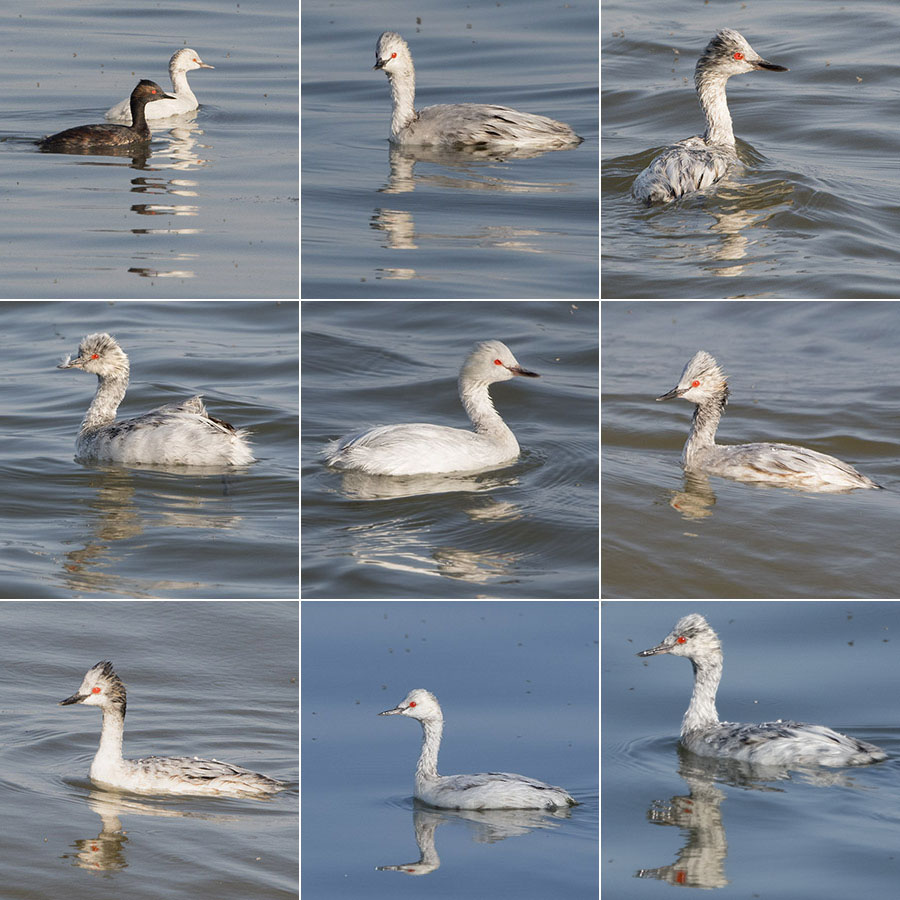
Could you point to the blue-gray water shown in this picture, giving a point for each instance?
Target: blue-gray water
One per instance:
(74, 529)
(197, 685)
(814, 212)
(823, 375)
(454, 226)
(518, 686)
(828, 834)
(212, 213)
(526, 530)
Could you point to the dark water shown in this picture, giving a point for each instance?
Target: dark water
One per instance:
(197, 685)
(212, 213)
(517, 683)
(81, 529)
(448, 226)
(823, 375)
(824, 833)
(527, 530)
(813, 212)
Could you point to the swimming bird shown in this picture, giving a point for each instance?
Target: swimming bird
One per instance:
(459, 124)
(182, 98)
(780, 465)
(155, 774)
(697, 162)
(177, 434)
(487, 790)
(771, 743)
(423, 449)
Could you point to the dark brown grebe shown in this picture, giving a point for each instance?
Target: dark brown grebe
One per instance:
(87, 136)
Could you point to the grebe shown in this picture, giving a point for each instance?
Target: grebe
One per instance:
(771, 743)
(177, 434)
(781, 465)
(458, 124)
(155, 774)
(87, 137)
(698, 162)
(488, 790)
(181, 100)
(420, 449)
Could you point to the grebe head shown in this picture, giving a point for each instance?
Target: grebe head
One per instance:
(100, 687)
(100, 355)
(727, 54)
(418, 704)
(701, 381)
(691, 637)
(185, 60)
(491, 361)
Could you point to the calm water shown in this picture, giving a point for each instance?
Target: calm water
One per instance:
(828, 834)
(448, 226)
(813, 215)
(823, 375)
(87, 530)
(211, 213)
(528, 530)
(197, 685)
(517, 684)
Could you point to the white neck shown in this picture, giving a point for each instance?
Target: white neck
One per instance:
(704, 423)
(711, 90)
(102, 411)
(701, 714)
(108, 758)
(431, 743)
(403, 96)
(182, 88)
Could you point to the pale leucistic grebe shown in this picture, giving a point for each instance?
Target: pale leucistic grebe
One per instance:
(488, 790)
(155, 774)
(459, 124)
(182, 97)
(177, 434)
(421, 449)
(697, 162)
(86, 137)
(781, 465)
(771, 743)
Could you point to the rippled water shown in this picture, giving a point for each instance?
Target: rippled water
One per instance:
(823, 375)
(527, 530)
(812, 214)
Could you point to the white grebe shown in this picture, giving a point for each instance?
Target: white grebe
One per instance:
(782, 465)
(488, 790)
(175, 434)
(699, 161)
(420, 449)
(182, 99)
(458, 124)
(155, 774)
(771, 743)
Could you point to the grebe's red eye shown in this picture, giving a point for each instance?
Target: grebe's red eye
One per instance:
(497, 362)
(411, 705)
(738, 56)
(681, 639)
(95, 690)
(394, 55)
(695, 383)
